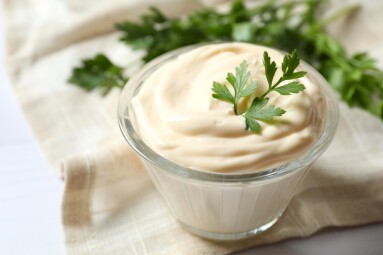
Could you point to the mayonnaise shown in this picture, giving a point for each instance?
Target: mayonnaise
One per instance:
(176, 116)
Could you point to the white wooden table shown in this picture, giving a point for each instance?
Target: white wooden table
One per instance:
(30, 199)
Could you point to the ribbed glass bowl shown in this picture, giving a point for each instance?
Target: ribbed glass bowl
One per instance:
(220, 205)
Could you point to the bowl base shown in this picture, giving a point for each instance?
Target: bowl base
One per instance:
(228, 236)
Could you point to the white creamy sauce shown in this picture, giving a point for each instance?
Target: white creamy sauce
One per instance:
(176, 116)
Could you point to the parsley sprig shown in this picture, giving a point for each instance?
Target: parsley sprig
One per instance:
(259, 110)
(98, 73)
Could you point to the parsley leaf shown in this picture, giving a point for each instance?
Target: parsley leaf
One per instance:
(289, 64)
(270, 68)
(222, 92)
(258, 111)
(239, 82)
(290, 88)
(98, 72)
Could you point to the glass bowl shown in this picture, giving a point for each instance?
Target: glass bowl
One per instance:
(225, 206)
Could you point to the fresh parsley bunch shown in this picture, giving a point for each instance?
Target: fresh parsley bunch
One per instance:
(286, 26)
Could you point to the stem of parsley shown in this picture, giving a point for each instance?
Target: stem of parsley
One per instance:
(345, 11)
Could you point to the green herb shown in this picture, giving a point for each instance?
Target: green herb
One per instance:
(98, 72)
(286, 26)
(259, 110)
(239, 83)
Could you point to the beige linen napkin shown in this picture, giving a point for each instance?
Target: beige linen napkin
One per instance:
(109, 204)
